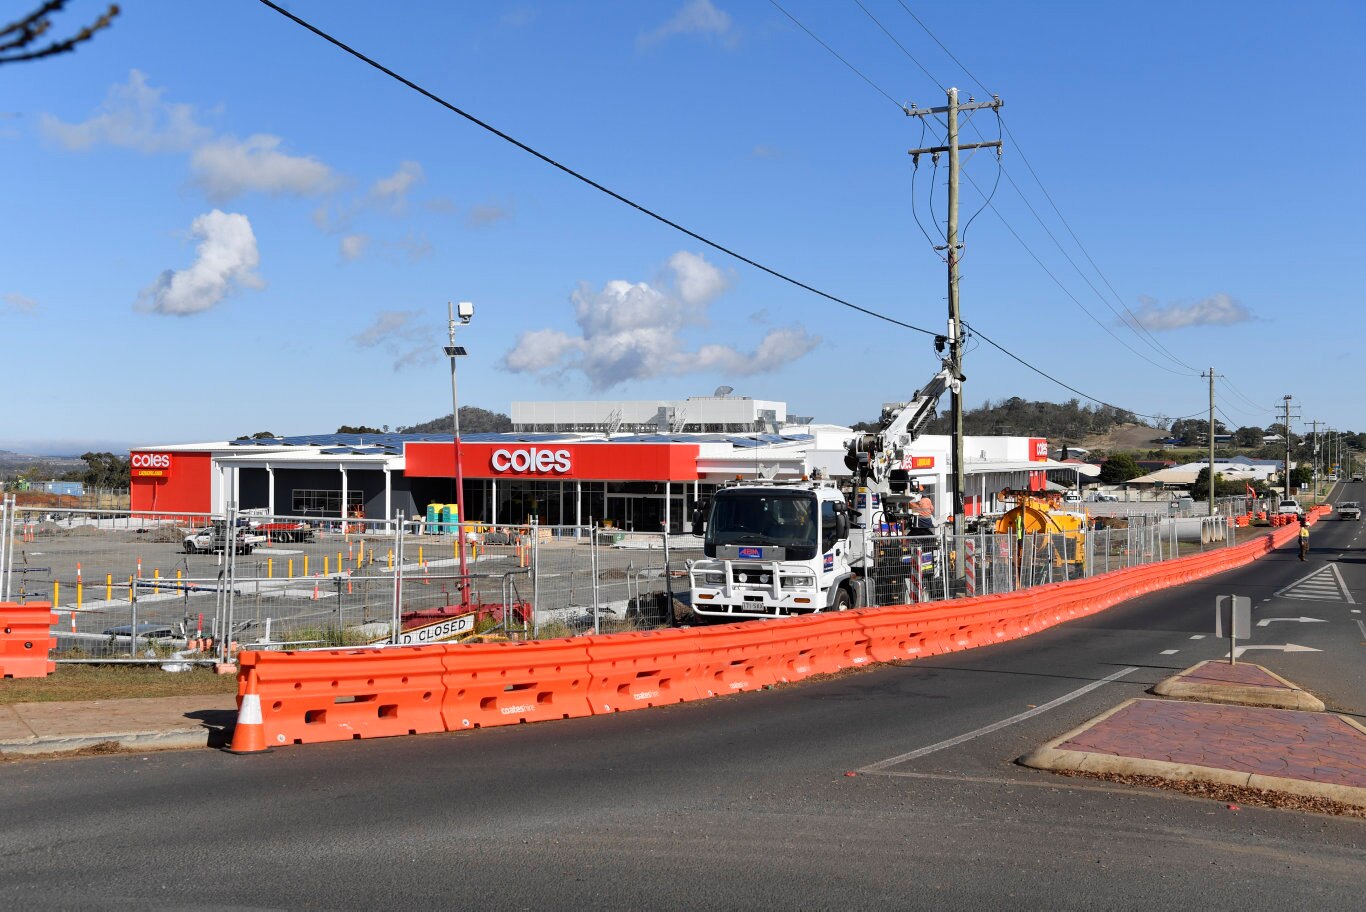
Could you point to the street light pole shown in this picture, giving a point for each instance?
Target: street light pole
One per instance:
(455, 351)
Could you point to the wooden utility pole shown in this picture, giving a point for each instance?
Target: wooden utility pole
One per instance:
(953, 251)
(1211, 439)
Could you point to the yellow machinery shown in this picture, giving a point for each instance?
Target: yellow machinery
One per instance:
(1055, 535)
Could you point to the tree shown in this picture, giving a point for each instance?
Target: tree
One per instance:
(17, 40)
(473, 420)
(1248, 437)
(1302, 476)
(105, 470)
(1119, 468)
(259, 435)
(1223, 487)
(358, 429)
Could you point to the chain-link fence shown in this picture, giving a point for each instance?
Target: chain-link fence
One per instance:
(126, 583)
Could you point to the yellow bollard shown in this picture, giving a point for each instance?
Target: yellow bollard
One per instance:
(420, 559)
(156, 573)
(391, 558)
(291, 568)
(326, 571)
(178, 576)
(340, 565)
(305, 565)
(109, 587)
(80, 595)
(270, 568)
(55, 587)
(130, 589)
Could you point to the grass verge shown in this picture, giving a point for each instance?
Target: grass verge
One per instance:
(113, 682)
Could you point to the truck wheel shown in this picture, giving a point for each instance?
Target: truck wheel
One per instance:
(843, 602)
(190, 548)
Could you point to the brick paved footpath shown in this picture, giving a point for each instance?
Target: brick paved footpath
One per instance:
(1218, 672)
(1314, 747)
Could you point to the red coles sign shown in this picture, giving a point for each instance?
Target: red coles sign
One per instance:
(150, 465)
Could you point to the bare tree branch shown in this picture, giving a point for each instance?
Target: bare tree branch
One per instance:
(31, 27)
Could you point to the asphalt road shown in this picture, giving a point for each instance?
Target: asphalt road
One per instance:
(741, 802)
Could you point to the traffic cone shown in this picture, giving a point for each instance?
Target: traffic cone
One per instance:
(249, 735)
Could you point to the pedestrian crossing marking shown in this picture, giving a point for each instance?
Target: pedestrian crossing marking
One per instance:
(1323, 585)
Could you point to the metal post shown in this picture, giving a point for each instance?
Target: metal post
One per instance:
(133, 630)
(955, 324)
(1211, 441)
(453, 351)
(397, 614)
(593, 565)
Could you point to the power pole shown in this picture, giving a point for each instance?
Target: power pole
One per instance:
(1210, 374)
(1286, 474)
(953, 252)
(1315, 425)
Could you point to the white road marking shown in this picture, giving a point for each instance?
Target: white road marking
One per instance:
(1288, 647)
(996, 726)
(1303, 620)
(1356, 611)
(1170, 652)
(1362, 625)
(1198, 636)
(1324, 584)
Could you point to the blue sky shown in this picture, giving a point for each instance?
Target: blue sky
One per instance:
(219, 224)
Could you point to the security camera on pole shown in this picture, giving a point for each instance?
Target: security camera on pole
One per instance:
(465, 310)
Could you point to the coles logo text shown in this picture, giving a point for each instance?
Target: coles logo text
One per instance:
(533, 459)
(151, 461)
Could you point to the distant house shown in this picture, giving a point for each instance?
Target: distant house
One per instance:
(1154, 465)
(1272, 438)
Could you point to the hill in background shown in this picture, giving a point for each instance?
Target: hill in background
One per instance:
(473, 420)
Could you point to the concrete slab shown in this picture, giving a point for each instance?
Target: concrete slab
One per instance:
(1216, 681)
(1301, 753)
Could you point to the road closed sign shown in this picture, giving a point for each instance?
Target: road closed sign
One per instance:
(443, 629)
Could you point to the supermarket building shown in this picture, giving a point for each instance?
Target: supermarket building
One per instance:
(598, 471)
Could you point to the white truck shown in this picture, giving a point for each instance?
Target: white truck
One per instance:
(1349, 509)
(214, 538)
(778, 549)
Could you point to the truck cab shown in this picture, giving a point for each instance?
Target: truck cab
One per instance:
(774, 550)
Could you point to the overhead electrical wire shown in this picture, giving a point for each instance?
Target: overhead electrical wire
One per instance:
(662, 219)
(1042, 373)
(645, 210)
(1001, 169)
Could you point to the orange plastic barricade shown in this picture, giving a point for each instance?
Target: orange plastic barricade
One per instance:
(639, 670)
(829, 643)
(506, 683)
(26, 640)
(343, 694)
(729, 659)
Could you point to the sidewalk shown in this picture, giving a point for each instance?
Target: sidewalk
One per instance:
(155, 723)
(1293, 751)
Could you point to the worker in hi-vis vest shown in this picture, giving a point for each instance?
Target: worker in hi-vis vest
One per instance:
(1304, 538)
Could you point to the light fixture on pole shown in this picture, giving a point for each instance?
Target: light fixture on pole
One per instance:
(465, 311)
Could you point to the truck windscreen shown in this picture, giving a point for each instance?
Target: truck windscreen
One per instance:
(783, 518)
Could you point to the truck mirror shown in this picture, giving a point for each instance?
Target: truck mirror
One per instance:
(841, 525)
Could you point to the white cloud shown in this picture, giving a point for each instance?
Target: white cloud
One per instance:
(19, 302)
(133, 116)
(632, 331)
(227, 167)
(402, 335)
(224, 262)
(353, 246)
(392, 191)
(487, 214)
(1216, 310)
(696, 17)
(763, 151)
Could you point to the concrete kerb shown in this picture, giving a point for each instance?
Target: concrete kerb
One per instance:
(128, 741)
(1288, 696)
(1050, 757)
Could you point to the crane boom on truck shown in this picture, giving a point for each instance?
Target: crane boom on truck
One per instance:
(775, 549)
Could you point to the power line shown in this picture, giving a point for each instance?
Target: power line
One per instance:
(816, 38)
(1137, 323)
(587, 180)
(898, 44)
(1042, 373)
(988, 202)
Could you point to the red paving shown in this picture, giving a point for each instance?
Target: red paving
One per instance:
(1224, 673)
(1316, 747)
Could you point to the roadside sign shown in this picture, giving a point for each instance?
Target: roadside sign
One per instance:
(443, 629)
(1242, 616)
